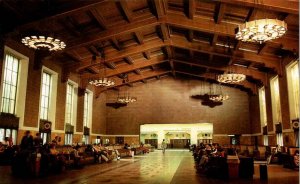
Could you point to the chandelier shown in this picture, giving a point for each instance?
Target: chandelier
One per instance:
(218, 98)
(216, 94)
(231, 78)
(40, 42)
(127, 99)
(261, 30)
(101, 80)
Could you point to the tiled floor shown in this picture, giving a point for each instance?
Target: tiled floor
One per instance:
(176, 167)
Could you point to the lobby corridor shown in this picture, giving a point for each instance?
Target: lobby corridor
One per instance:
(175, 166)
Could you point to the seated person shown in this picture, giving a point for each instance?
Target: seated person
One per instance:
(77, 157)
(97, 152)
(144, 149)
(57, 160)
(126, 146)
(296, 158)
(2, 147)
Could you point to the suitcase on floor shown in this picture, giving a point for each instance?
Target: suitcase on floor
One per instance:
(263, 170)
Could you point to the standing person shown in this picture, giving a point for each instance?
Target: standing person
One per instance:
(163, 146)
(38, 141)
(27, 141)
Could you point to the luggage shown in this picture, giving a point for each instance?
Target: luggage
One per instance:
(263, 170)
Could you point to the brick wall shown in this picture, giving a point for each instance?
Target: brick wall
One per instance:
(254, 114)
(99, 114)
(169, 101)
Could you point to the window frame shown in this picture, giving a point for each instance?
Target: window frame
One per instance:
(6, 84)
(294, 112)
(46, 96)
(276, 104)
(69, 104)
(262, 107)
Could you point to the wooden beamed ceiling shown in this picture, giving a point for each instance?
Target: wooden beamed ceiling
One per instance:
(147, 39)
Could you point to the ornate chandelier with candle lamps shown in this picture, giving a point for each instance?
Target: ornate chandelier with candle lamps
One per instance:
(216, 94)
(40, 42)
(126, 98)
(261, 30)
(102, 80)
(231, 78)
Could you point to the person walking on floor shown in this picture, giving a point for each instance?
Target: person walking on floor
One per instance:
(163, 146)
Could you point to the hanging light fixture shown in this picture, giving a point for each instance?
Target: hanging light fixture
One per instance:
(126, 98)
(261, 30)
(218, 98)
(43, 42)
(231, 78)
(217, 95)
(102, 80)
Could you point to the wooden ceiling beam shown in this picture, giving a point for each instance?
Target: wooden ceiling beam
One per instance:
(112, 33)
(129, 60)
(199, 24)
(219, 13)
(138, 71)
(191, 35)
(278, 5)
(224, 29)
(113, 56)
(69, 25)
(93, 50)
(160, 8)
(139, 37)
(99, 18)
(60, 12)
(268, 61)
(249, 72)
(129, 68)
(115, 43)
(251, 14)
(136, 78)
(262, 48)
(147, 54)
(110, 65)
(169, 53)
(125, 10)
(192, 8)
(72, 56)
(214, 40)
(211, 76)
(164, 32)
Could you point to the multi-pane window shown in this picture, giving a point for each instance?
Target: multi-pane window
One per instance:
(10, 81)
(266, 140)
(262, 107)
(276, 107)
(279, 139)
(7, 132)
(86, 110)
(68, 139)
(293, 89)
(45, 97)
(86, 139)
(69, 103)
